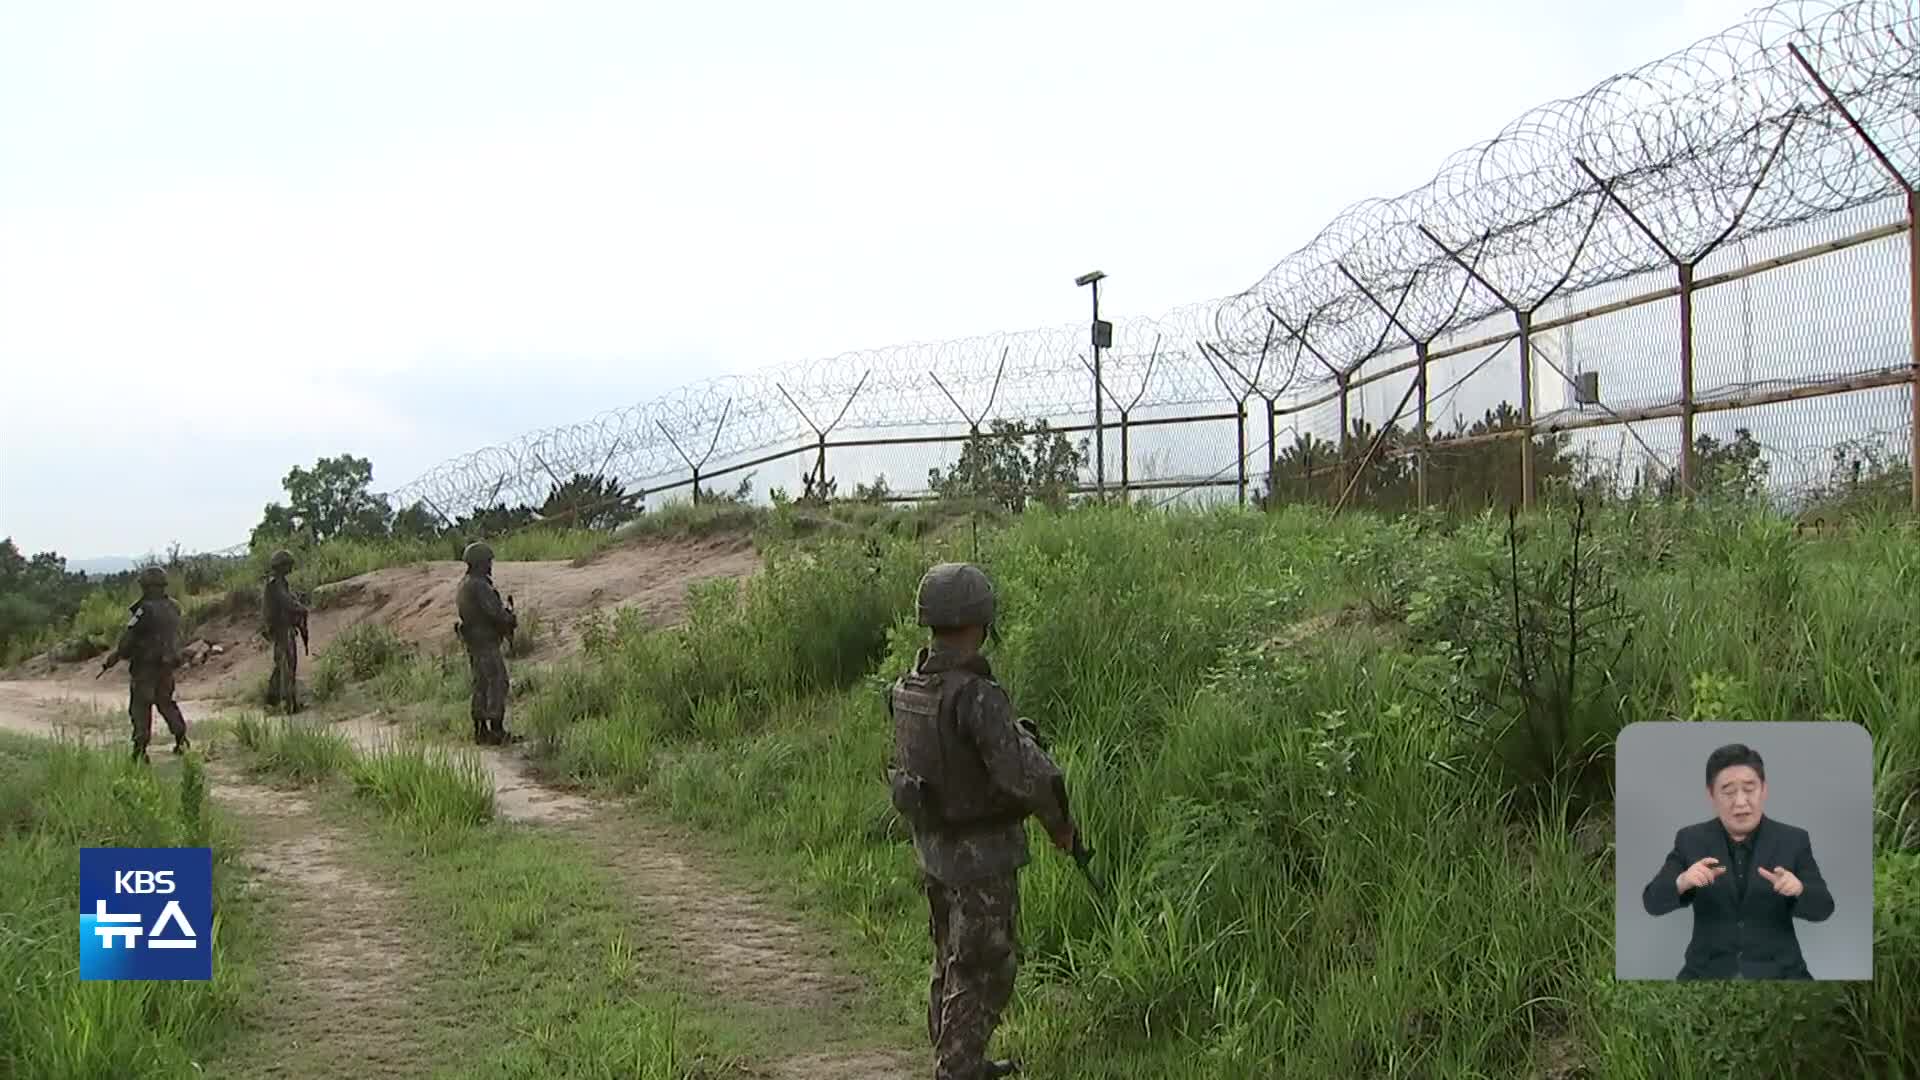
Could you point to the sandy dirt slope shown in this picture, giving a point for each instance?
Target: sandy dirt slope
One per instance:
(417, 602)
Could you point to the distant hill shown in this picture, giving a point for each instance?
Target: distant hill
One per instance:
(105, 564)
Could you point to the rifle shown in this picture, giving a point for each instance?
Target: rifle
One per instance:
(300, 624)
(1082, 854)
(510, 633)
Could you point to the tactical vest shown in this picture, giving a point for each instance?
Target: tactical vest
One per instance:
(476, 625)
(276, 596)
(159, 642)
(938, 779)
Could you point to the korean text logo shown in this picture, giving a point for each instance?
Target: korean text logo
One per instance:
(146, 913)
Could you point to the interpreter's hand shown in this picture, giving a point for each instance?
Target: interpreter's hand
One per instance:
(1063, 836)
(1783, 880)
(1700, 874)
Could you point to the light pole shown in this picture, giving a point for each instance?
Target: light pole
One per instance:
(1102, 339)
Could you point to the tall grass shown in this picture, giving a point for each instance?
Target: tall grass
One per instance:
(432, 793)
(55, 798)
(299, 750)
(1318, 859)
(357, 654)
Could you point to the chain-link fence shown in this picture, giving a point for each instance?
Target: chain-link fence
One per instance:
(1699, 273)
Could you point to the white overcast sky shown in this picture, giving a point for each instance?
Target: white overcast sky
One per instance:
(235, 237)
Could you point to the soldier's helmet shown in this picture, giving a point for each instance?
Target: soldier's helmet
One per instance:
(478, 553)
(153, 577)
(955, 595)
(282, 560)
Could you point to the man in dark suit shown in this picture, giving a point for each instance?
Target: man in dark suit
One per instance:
(1746, 876)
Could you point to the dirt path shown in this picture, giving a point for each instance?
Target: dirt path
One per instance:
(350, 984)
(719, 939)
(346, 981)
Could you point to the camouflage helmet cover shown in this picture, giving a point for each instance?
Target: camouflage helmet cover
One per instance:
(281, 560)
(153, 576)
(478, 553)
(954, 595)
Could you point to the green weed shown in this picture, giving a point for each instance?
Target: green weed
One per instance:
(1321, 865)
(55, 798)
(303, 751)
(432, 792)
(361, 652)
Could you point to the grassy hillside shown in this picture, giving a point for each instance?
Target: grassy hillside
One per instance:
(1341, 835)
(1332, 853)
(54, 799)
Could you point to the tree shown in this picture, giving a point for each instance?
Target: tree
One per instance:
(1013, 463)
(1304, 471)
(591, 501)
(741, 495)
(416, 522)
(1465, 477)
(35, 593)
(329, 501)
(1488, 473)
(1732, 469)
(492, 520)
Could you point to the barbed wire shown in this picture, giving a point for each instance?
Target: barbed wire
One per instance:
(1668, 164)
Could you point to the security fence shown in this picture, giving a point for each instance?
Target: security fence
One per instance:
(1699, 273)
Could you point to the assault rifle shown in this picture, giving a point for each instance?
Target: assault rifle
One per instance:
(300, 624)
(1082, 854)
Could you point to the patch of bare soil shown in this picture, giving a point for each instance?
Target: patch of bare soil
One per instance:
(714, 937)
(417, 601)
(73, 707)
(738, 946)
(341, 983)
(850, 1065)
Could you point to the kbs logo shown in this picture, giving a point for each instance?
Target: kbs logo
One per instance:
(146, 913)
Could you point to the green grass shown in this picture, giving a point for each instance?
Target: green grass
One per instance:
(584, 1002)
(511, 908)
(432, 792)
(299, 750)
(357, 654)
(54, 799)
(1341, 838)
(1326, 859)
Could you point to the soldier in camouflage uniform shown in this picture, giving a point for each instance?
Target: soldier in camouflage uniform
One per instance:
(283, 613)
(485, 621)
(150, 643)
(966, 775)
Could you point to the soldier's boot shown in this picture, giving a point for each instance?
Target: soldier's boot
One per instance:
(140, 754)
(182, 744)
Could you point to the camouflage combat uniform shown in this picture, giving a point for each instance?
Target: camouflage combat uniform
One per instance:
(966, 775)
(283, 611)
(150, 644)
(485, 621)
